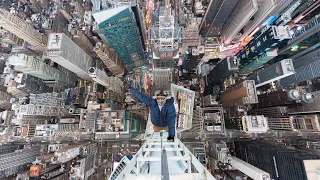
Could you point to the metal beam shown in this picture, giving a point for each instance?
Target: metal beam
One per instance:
(173, 158)
(159, 149)
(164, 165)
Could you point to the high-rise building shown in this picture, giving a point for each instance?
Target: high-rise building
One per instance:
(12, 163)
(39, 109)
(62, 50)
(213, 120)
(274, 72)
(165, 35)
(254, 124)
(117, 124)
(240, 94)
(241, 16)
(5, 100)
(18, 43)
(120, 30)
(305, 68)
(99, 76)
(162, 79)
(265, 47)
(197, 126)
(295, 123)
(85, 166)
(280, 162)
(83, 42)
(49, 74)
(110, 59)
(23, 30)
(191, 36)
(215, 16)
(277, 111)
(283, 97)
(20, 84)
(225, 68)
(9, 148)
(306, 34)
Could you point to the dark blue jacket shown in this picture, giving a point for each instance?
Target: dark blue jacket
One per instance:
(167, 116)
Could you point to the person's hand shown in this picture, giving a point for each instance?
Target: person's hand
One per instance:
(170, 138)
(127, 84)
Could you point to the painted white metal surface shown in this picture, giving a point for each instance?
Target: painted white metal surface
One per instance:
(146, 164)
(186, 176)
(149, 128)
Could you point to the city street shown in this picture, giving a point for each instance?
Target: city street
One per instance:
(111, 151)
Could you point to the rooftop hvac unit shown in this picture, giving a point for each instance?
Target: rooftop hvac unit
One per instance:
(308, 107)
(273, 72)
(195, 52)
(240, 16)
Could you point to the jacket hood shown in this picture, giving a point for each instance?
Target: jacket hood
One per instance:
(171, 100)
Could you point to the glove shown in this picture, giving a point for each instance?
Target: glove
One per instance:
(170, 138)
(127, 84)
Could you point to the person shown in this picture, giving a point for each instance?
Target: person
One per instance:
(162, 112)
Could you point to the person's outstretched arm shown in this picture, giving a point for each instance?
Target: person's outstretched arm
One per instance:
(172, 121)
(141, 97)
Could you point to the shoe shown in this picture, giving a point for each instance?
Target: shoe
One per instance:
(170, 138)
